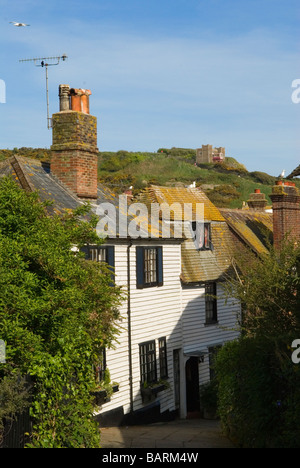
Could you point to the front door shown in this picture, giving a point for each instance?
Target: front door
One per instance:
(192, 387)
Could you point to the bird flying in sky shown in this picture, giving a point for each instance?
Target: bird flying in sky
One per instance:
(19, 24)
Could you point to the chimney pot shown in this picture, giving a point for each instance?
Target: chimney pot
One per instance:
(64, 99)
(80, 100)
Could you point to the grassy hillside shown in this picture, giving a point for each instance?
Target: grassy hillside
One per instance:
(227, 184)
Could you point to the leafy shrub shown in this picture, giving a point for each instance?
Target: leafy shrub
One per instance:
(259, 385)
(223, 195)
(57, 312)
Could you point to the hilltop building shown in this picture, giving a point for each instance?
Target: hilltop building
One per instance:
(208, 154)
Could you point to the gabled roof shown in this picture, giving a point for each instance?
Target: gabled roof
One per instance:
(210, 265)
(253, 227)
(181, 195)
(34, 175)
(198, 266)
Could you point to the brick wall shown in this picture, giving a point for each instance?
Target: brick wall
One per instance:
(74, 152)
(286, 212)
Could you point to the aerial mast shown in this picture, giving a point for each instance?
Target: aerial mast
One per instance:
(46, 62)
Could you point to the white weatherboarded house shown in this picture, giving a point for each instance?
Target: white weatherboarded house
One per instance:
(174, 322)
(175, 313)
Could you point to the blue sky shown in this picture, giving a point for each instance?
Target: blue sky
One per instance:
(162, 73)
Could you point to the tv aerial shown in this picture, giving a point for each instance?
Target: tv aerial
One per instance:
(46, 62)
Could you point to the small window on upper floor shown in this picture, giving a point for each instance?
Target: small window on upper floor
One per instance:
(102, 254)
(211, 309)
(201, 235)
(149, 266)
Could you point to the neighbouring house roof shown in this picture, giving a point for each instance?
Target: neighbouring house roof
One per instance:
(208, 265)
(198, 266)
(253, 227)
(295, 173)
(181, 196)
(34, 175)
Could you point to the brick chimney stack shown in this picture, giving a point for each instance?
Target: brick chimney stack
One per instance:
(257, 201)
(286, 212)
(74, 143)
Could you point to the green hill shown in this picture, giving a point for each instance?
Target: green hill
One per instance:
(227, 184)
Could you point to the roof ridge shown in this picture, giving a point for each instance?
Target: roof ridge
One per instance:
(19, 170)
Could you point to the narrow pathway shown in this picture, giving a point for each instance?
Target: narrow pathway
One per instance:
(195, 433)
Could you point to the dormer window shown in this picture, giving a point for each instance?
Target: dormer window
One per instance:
(201, 235)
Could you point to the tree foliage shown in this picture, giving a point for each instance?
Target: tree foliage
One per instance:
(57, 312)
(259, 384)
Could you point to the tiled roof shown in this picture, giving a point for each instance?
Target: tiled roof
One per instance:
(35, 175)
(180, 196)
(209, 265)
(32, 175)
(198, 266)
(252, 227)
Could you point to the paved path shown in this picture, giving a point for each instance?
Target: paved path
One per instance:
(187, 433)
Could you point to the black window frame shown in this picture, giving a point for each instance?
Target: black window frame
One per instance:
(141, 266)
(109, 256)
(211, 303)
(148, 364)
(163, 357)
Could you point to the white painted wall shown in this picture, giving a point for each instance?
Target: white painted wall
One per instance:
(173, 311)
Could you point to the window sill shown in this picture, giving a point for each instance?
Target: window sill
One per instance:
(102, 396)
(152, 285)
(150, 393)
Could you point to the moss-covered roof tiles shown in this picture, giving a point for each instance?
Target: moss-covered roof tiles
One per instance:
(178, 197)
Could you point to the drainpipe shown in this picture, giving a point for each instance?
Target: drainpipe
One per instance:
(129, 327)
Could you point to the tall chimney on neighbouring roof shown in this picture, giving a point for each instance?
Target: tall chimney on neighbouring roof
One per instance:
(286, 212)
(74, 149)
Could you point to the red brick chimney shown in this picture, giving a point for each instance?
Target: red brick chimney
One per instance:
(286, 212)
(74, 146)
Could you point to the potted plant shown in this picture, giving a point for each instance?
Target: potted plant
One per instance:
(149, 391)
(105, 389)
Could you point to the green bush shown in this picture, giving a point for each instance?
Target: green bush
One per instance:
(57, 312)
(259, 385)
